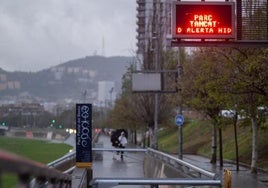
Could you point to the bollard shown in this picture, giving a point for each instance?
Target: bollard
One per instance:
(227, 178)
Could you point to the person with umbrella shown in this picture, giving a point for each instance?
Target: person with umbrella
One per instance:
(119, 139)
(122, 142)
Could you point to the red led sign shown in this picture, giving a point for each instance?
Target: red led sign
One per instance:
(210, 20)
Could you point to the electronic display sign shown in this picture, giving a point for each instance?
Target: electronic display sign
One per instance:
(203, 20)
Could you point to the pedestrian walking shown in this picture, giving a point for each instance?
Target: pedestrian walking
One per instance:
(119, 140)
(122, 142)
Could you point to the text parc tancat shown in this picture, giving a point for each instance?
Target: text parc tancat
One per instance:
(203, 24)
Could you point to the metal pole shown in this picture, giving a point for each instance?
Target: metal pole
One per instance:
(155, 120)
(180, 140)
(155, 144)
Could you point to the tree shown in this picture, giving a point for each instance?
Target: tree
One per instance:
(248, 79)
(136, 110)
(202, 89)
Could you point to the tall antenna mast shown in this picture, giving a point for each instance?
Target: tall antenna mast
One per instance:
(103, 47)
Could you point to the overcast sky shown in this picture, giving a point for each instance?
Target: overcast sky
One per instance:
(38, 34)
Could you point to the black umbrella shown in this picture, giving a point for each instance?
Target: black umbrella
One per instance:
(115, 136)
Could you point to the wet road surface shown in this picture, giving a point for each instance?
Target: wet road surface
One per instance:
(132, 167)
(242, 178)
(112, 166)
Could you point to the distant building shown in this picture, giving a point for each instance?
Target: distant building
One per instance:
(6, 84)
(13, 85)
(3, 86)
(106, 93)
(3, 77)
(153, 22)
(22, 109)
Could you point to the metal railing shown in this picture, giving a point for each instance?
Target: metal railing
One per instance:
(66, 159)
(110, 182)
(33, 174)
(184, 166)
(198, 173)
(25, 169)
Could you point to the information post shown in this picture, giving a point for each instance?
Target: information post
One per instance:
(83, 135)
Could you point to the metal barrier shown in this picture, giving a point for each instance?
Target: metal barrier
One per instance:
(109, 182)
(61, 161)
(212, 178)
(186, 167)
(25, 169)
(33, 174)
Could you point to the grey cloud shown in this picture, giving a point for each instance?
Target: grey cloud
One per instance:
(37, 34)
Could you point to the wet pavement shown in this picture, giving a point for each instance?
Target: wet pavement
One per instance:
(242, 178)
(111, 166)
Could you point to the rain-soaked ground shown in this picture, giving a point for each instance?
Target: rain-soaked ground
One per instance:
(112, 166)
(132, 166)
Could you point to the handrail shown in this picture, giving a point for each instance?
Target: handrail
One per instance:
(69, 156)
(161, 155)
(25, 169)
(212, 180)
(152, 181)
(120, 149)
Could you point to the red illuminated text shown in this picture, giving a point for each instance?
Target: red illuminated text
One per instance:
(203, 21)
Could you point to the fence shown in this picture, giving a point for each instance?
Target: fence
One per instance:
(201, 176)
(26, 169)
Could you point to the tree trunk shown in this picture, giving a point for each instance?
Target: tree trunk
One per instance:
(151, 136)
(148, 139)
(135, 137)
(220, 144)
(236, 142)
(254, 145)
(214, 145)
(143, 139)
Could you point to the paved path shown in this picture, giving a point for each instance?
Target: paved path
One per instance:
(242, 178)
(131, 166)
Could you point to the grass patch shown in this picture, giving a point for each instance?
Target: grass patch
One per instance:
(169, 141)
(197, 137)
(37, 150)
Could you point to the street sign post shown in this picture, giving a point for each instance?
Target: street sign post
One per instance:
(179, 120)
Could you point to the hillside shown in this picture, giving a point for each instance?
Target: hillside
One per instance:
(66, 80)
(197, 140)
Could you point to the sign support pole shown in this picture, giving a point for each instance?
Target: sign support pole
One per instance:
(180, 140)
(180, 143)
